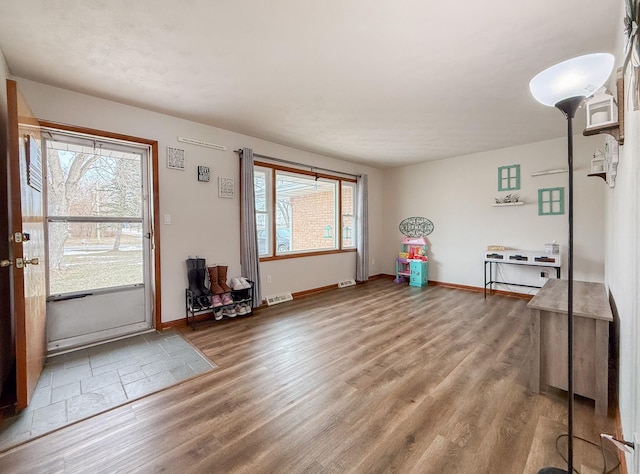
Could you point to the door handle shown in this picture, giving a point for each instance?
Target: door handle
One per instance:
(33, 261)
(6, 263)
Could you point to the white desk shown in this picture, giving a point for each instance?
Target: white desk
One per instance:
(517, 257)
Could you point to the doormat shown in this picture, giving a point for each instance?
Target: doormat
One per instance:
(89, 381)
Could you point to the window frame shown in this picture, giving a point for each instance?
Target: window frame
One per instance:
(546, 196)
(352, 184)
(271, 210)
(267, 212)
(507, 174)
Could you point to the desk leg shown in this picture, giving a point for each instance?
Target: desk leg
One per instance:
(602, 366)
(534, 377)
(485, 280)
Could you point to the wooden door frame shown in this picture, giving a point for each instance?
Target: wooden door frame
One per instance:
(15, 225)
(155, 211)
(7, 332)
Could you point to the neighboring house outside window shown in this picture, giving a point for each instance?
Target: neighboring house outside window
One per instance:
(313, 214)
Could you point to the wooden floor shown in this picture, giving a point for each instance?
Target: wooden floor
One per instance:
(373, 378)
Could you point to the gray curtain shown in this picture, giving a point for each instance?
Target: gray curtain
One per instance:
(362, 228)
(249, 259)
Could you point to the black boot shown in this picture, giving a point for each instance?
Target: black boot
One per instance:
(194, 287)
(205, 293)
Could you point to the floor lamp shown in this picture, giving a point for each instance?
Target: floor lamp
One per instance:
(565, 86)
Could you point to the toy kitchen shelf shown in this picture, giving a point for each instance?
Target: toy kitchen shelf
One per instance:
(493, 258)
(412, 262)
(415, 270)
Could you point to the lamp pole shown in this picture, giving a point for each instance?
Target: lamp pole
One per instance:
(565, 86)
(568, 108)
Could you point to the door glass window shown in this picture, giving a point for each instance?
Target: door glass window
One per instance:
(95, 216)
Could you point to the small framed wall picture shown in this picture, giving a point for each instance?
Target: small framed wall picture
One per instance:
(226, 188)
(175, 158)
(203, 173)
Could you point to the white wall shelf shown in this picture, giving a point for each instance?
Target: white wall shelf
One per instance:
(505, 204)
(547, 172)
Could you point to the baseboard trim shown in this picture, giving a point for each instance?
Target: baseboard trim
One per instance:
(312, 291)
(182, 322)
(381, 275)
(178, 323)
(476, 289)
(473, 289)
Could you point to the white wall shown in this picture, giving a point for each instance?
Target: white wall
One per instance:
(457, 193)
(622, 226)
(201, 223)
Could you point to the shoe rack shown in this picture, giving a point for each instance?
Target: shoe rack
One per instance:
(193, 309)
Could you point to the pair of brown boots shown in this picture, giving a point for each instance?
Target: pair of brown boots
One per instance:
(218, 279)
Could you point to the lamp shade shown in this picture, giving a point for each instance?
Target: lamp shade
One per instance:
(576, 77)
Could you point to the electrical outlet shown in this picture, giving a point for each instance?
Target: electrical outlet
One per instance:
(269, 280)
(373, 261)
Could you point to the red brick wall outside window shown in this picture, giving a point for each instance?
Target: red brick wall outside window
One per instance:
(311, 214)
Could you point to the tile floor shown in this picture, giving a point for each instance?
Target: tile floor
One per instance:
(89, 381)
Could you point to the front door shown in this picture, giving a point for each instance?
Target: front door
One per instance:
(25, 208)
(98, 225)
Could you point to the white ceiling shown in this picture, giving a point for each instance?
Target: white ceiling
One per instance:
(382, 82)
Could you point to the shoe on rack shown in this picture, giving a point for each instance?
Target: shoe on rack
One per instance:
(192, 276)
(247, 308)
(240, 310)
(245, 283)
(216, 289)
(226, 299)
(217, 314)
(205, 301)
(229, 311)
(236, 284)
(201, 269)
(222, 278)
(216, 301)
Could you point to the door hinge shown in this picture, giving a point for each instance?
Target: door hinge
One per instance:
(20, 263)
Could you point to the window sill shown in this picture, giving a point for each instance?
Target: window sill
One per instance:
(305, 254)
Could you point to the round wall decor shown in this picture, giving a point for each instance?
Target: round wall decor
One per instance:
(416, 226)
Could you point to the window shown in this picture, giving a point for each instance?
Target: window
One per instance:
(550, 201)
(509, 178)
(348, 215)
(311, 213)
(94, 214)
(261, 180)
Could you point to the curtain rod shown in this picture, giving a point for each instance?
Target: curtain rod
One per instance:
(302, 165)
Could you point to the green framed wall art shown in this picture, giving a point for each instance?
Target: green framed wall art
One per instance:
(550, 201)
(509, 178)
